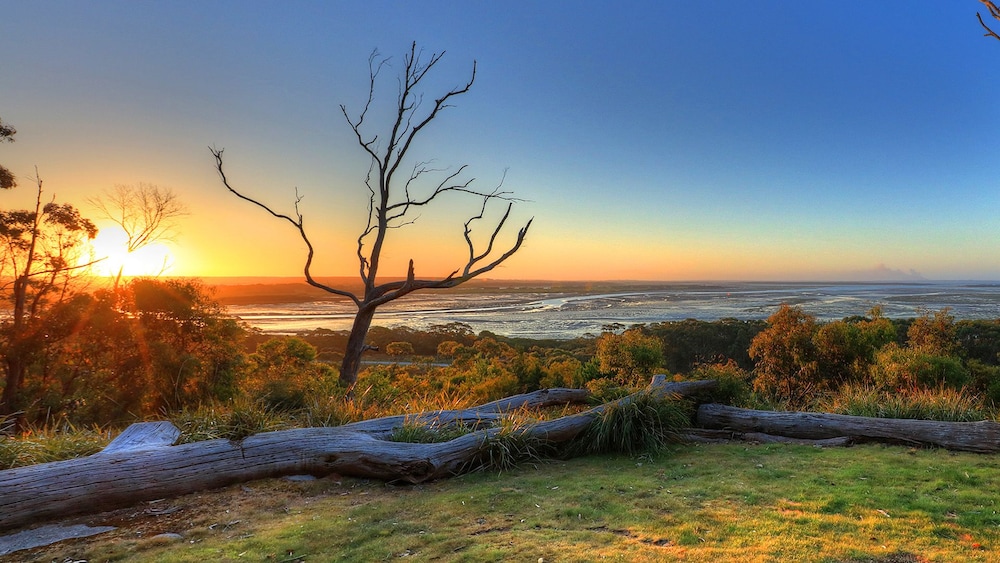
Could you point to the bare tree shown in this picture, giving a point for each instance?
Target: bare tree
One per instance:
(395, 197)
(995, 13)
(146, 212)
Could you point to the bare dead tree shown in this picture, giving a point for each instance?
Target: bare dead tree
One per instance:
(146, 212)
(994, 13)
(395, 197)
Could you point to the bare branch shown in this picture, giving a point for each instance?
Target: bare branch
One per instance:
(994, 13)
(297, 223)
(146, 212)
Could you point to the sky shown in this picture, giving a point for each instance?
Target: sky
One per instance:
(668, 140)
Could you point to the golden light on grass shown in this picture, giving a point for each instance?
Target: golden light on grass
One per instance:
(110, 247)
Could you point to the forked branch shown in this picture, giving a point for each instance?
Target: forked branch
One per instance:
(994, 13)
(297, 222)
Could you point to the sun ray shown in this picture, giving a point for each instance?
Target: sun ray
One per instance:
(110, 248)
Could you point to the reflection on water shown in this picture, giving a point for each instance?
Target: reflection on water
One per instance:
(568, 315)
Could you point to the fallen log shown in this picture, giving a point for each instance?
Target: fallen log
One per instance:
(980, 437)
(706, 436)
(132, 470)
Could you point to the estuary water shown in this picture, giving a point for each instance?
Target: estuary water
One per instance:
(543, 313)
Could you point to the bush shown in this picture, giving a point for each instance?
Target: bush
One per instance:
(734, 382)
(631, 356)
(787, 360)
(899, 367)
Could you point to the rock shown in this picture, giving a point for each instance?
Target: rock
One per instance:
(47, 535)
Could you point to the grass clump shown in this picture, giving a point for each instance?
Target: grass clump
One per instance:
(50, 443)
(233, 421)
(642, 425)
(943, 404)
(511, 444)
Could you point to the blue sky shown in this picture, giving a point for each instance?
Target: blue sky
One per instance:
(652, 140)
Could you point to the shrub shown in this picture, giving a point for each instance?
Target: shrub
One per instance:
(734, 382)
(899, 367)
(604, 390)
(786, 359)
(631, 356)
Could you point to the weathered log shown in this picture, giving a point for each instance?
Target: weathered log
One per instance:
(981, 437)
(706, 436)
(132, 471)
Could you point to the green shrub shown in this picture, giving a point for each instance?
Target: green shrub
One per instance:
(905, 367)
(604, 390)
(734, 382)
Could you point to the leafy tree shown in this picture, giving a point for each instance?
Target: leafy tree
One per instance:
(934, 332)
(39, 255)
(399, 349)
(7, 179)
(396, 196)
(631, 356)
(847, 348)
(284, 372)
(898, 367)
(979, 340)
(787, 361)
(689, 343)
(150, 347)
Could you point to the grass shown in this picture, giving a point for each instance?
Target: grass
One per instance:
(943, 404)
(50, 443)
(693, 503)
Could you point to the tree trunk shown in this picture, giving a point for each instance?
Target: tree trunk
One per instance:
(141, 465)
(356, 347)
(15, 368)
(981, 437)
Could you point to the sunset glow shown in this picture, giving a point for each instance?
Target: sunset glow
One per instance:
(109, 247)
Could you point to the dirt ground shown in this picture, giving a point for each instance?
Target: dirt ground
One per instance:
(231, 511)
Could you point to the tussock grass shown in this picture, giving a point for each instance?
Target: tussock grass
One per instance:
(54, 442)
(942, 404)
(511, 445)
(646, 424)
(234, 421)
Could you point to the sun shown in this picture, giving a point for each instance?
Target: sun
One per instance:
(111, 249)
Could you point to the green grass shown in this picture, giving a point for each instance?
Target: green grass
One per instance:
(692, 503)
